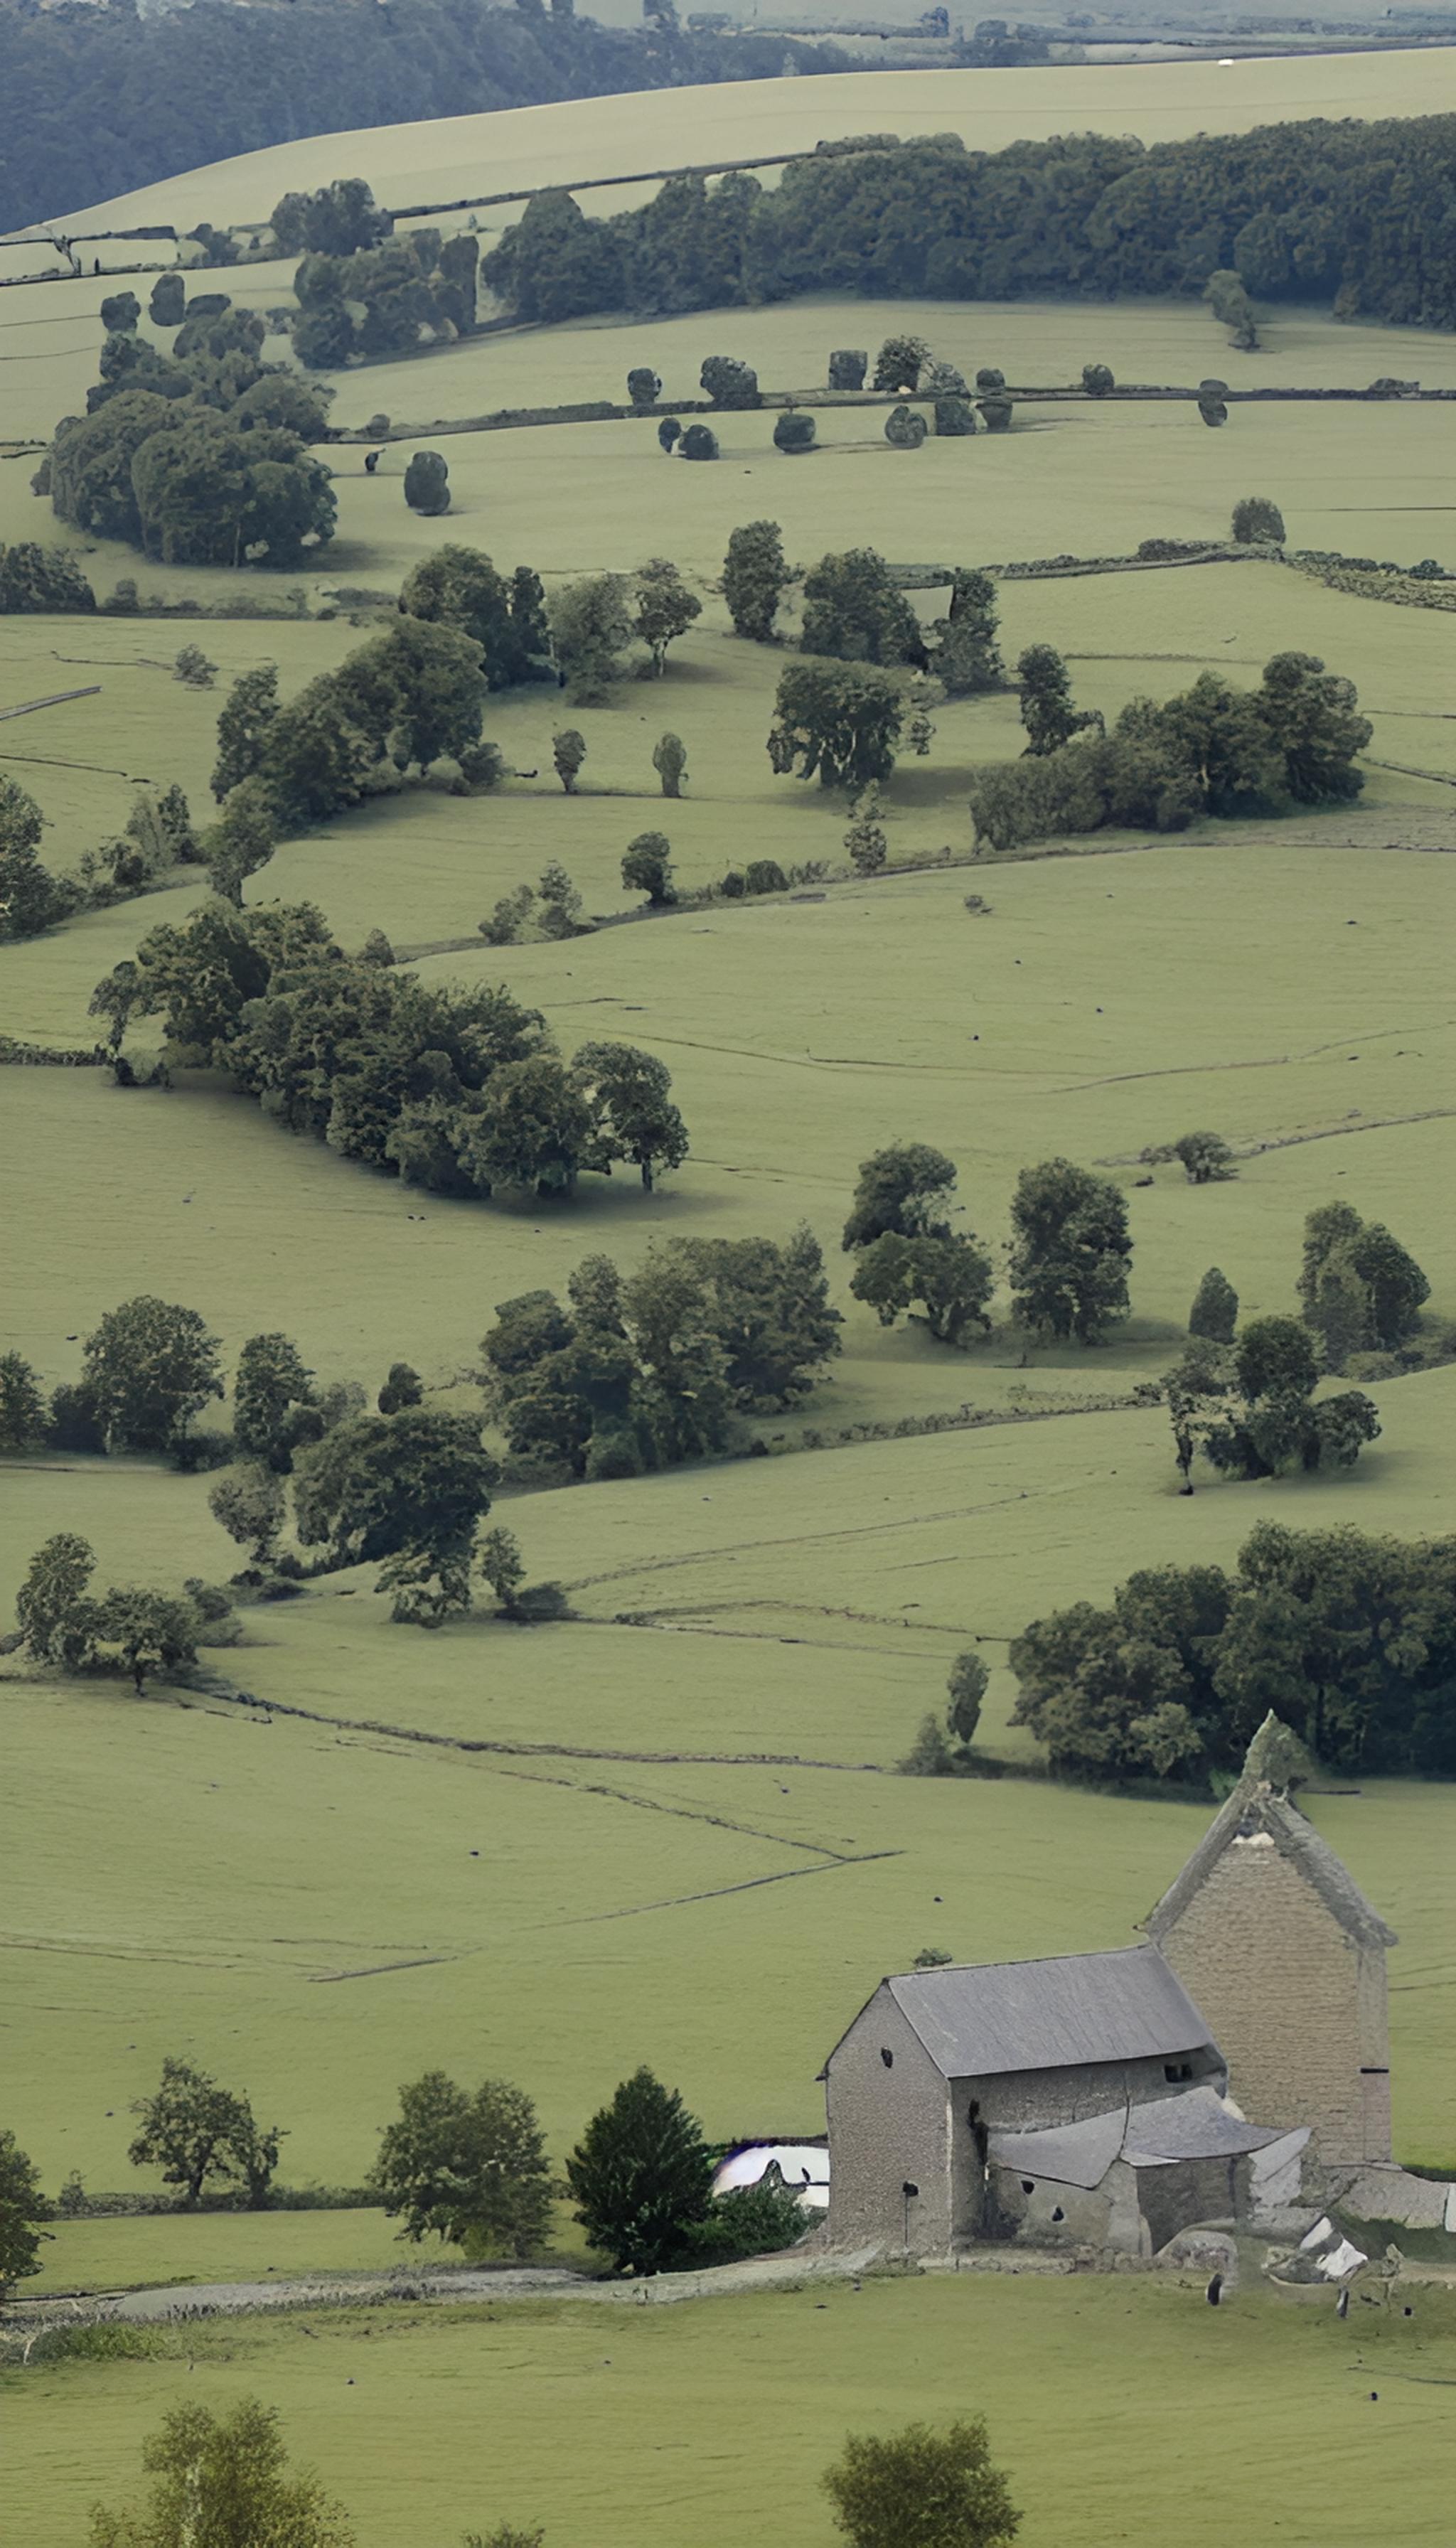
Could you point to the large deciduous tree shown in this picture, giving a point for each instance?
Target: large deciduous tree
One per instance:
(839, 722)
(375, 1484)
(200, 2136)
(636, 1119)
(1071, 1249)
(756, 574)
(23, 2211)
(467, 2166)
(222, 2480)
(665, 609)
(149, 1369)
(854, 611)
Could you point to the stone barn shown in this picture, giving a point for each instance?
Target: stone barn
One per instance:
(1078, 2098)
(1275, 1941)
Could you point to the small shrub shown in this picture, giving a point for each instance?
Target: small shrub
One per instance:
(194, 668)
(668, 432)
(1097, 380)
(929, 1756)
(794, 432)
(427, 482)
(765, 875)
(700, 444)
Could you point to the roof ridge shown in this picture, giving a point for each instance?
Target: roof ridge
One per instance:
(1300, 1843)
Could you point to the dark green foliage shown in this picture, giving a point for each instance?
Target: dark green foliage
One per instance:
(900, 362)
(641, 2175)
(668, 432)
(167, 306)
(1205, 1157)
(427, 482)
(919, 2488)
(22, 1412)
(1215, 1310)
(839, 721)
(966, 1688)
(32, 578)
(567, 752)
(966, 657)
(665, 609)
(147, 1369)
(794, 432)
(1097, 380)
(592, 624)
(470, 2168)
(644, 388)
(22, 2208)
(377, 1483)
(1349, 1639)
(755, 575)
(30, 897)
(1211, 750)
(700, 442)
(1256, 518)
(52, 1609)
(201, 457)
(1046, 709)
(728, 382)
(670, 761)
(990, 379)
(854, 611)
(751, 2221)
(555, 263)
(194, 2130)
(640, 1373)
(221, 2478)
(1230, 304)
(636, 1121)
(149, 1631)
(1070, 1252)
(647, 868)
(847, 368)
(866, 840)
(461, 589)
(337, 221)
(765, 875)
(952, 1279)
(904, 429)
(1250, 1406)
(249, 1501)
(120, 311)
(1359, 1289)
(902, 1191)
(996, 413)
(402, 1388)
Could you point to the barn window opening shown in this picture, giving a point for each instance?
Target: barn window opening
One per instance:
(1057, 2213)
(1029, 2185)
(886, 2057)
(1177, 2070)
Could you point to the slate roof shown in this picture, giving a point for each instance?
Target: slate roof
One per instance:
(1255, 1811)
(1198, 2123)
(977, 2019)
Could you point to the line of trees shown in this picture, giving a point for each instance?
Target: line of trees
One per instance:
(1351, 214)
(460, 1092)
(1070, 1252)
(1210, 750)
(1349, 1639)
(640, 1371)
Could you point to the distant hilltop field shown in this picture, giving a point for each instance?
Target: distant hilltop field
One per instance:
(534, 147)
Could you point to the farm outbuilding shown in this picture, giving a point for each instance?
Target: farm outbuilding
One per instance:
(1075, 2097)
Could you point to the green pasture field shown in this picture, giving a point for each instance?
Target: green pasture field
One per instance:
(1265, 2419)
(685, 1844)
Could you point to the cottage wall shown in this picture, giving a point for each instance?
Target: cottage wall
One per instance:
(1026, 2100)
(1297, 2004)
(888, 2127)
